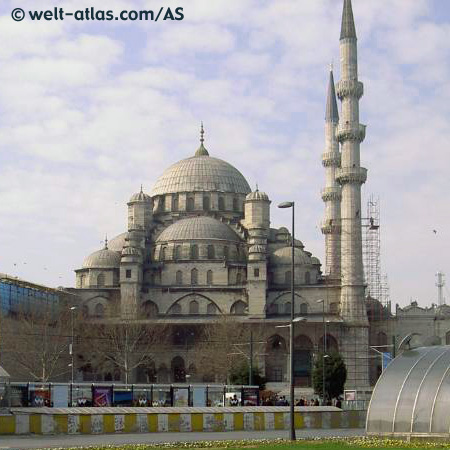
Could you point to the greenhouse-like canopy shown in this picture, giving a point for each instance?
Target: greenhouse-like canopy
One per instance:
(412, 396)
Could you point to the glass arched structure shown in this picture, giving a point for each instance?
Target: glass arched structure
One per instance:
(412, 396)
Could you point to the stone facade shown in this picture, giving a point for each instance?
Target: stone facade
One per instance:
(201, 246)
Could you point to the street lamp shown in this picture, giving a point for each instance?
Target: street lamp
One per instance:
(72, 310)
(291, 329)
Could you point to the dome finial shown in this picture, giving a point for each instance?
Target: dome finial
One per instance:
(141, 189)
(257, 188)
(106, 241)
(201, 151)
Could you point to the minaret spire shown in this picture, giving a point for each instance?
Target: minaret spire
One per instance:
(348, 30)
(332, 114)
(351, 176)
(331, 194)
(106, 241)
(201, 151)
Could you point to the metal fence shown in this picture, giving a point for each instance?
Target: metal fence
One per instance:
(60, 395)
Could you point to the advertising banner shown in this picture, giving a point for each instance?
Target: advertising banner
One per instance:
(180, 396)
(102, 396)
(199, 396)
(60, 396)
(250, 397)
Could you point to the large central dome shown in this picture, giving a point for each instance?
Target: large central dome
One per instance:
(201, 173)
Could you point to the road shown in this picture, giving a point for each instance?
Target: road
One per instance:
(39, 442)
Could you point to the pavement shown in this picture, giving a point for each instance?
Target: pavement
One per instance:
(65, 441)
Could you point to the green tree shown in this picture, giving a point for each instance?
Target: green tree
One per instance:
(335, 375)
(239, 374)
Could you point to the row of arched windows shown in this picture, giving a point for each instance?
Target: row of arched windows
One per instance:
(206, 203)
(285, 308)
(194, 277)
(288, 277)
(194, 252)
(194, 308)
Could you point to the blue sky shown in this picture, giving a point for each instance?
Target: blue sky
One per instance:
(88, 111)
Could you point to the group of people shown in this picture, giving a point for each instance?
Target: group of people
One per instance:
(302, 401)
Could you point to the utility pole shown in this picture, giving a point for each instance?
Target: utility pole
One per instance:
(250, 374)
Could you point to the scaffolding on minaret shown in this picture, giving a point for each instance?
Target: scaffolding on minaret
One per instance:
(377, 285)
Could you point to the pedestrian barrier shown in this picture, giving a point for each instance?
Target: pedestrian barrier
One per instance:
(152, 420)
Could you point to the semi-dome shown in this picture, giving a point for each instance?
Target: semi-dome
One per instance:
(198, 228)
(201, 173)
(284, 256)
(117, 243)
(102, 259)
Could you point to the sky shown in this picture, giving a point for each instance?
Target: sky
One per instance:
(89, 110)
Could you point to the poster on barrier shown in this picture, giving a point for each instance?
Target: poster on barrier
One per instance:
(180, 396)
(250, 397)
(102, 396)
(199, 396)
(60, 396)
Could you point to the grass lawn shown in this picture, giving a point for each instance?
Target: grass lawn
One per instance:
(323, 444)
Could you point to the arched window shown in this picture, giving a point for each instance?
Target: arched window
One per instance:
(194, 277)
(211, 252)
(334, 308)
(221, 204)
(149, 309)
(206, 204)
(163, 253)
(177, 252)
(209, 277)
(194, 251)
(81, 281)
(307, 278)
(287, 277)
(287, 307)
(99, 310)
(304, 308)
(101, 280)
(235, 204)
(226, 253)
(193, 307)
(238, 308)
(211, 309)
(179, 277)
(85, 311)
(175, 203)
(239, 278)
(190, 204)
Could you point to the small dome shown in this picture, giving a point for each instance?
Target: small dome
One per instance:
(315, 261)
(140, 197)
(283, 256)
(257, 195)
(198, 228)
(117, 243)
(102, 259)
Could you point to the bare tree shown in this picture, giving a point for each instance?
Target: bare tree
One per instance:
(35, 342)
(225, 344)
(122, 343)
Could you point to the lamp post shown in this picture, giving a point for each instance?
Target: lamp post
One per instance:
(72, 310)
(291, 330)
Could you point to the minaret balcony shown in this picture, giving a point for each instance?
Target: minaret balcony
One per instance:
(350, 132)
(331, 226)
(349, 88)
(331, 159)
(356, 175)
(331, 194)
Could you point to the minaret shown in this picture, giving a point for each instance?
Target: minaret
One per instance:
(350, 133)
(331, 195)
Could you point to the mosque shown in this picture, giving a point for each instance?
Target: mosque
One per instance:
(200, 246)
